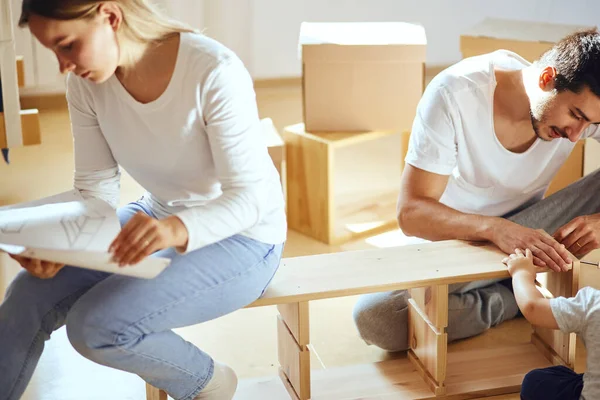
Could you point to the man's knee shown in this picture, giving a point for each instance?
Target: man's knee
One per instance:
(382, 319)
(474, 312)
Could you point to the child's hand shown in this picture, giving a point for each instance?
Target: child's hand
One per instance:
(519, 262)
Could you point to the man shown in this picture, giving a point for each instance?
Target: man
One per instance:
(489, 135)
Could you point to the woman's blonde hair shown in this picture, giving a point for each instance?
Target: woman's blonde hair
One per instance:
(143, 24)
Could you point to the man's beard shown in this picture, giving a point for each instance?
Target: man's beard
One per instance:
(535, 123)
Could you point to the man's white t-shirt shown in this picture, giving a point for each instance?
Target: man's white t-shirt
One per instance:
(453, 134)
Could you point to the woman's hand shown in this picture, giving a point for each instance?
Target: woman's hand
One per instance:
(144, 235)
(38, 268)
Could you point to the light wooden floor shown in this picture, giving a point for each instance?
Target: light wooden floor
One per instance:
(245, 339)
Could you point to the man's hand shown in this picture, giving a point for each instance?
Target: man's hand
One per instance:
(38, 268)
(546, 251)
(520, 262)
(580, 235)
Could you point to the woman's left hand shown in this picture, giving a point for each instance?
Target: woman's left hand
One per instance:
(143, 235)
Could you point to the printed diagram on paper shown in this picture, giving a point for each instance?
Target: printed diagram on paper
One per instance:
(74, 224)
(13, 228)
(82, 230)
(68, 229)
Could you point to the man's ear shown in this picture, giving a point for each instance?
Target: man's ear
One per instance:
(547, 78)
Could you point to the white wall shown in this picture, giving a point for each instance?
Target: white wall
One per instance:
(264, 33)
(276, 23)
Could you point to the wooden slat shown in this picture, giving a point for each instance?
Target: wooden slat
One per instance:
(286, 384)
(295, 316)
(20, 71)
(562, 344)
(426, 299)
(337, 139)
(294, 361)
(428, 347)
(309, 175)
(350, 273)
(153, 393)
(30, 125)
(405, 141)
(471, 374)
(491, 372)
(10, 95)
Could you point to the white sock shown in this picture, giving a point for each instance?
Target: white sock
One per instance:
(221, 386)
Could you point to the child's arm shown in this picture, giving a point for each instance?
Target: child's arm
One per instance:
(531, 302)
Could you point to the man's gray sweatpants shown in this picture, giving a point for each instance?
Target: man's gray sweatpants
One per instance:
(382, 318)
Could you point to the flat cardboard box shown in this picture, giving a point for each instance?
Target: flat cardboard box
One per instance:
(361, 76)
(528, 39)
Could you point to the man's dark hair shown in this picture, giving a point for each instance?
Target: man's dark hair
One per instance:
(577, 61)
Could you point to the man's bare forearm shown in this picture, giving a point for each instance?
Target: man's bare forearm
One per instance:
(429, 219)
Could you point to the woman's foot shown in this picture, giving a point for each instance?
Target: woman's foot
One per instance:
(221, 386)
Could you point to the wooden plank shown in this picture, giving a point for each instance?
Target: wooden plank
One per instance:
(560, 347)
(350, 273)
(426, 299)
(294, 361)
(563, 345)
(30, 125)
(405, 141)
(491, 371)
(309, 174)
(10, 95)
(295, 317)
(471, 374)
(429, 380)
(548, 352)
(365, 217)
(153, 393)
(337, 139)
(428, 347)
(20, 71)
(287, 385)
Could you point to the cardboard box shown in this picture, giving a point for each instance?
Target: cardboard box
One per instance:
(528, 39)
(360, 77)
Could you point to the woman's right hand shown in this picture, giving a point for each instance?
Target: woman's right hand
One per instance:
(38, 268)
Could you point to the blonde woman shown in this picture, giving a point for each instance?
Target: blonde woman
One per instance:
(177, 110)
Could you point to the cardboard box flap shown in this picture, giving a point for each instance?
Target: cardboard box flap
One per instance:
(523, 30)
(363, 53)
(356, 41)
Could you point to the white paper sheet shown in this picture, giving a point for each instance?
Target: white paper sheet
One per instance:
(67, 229)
